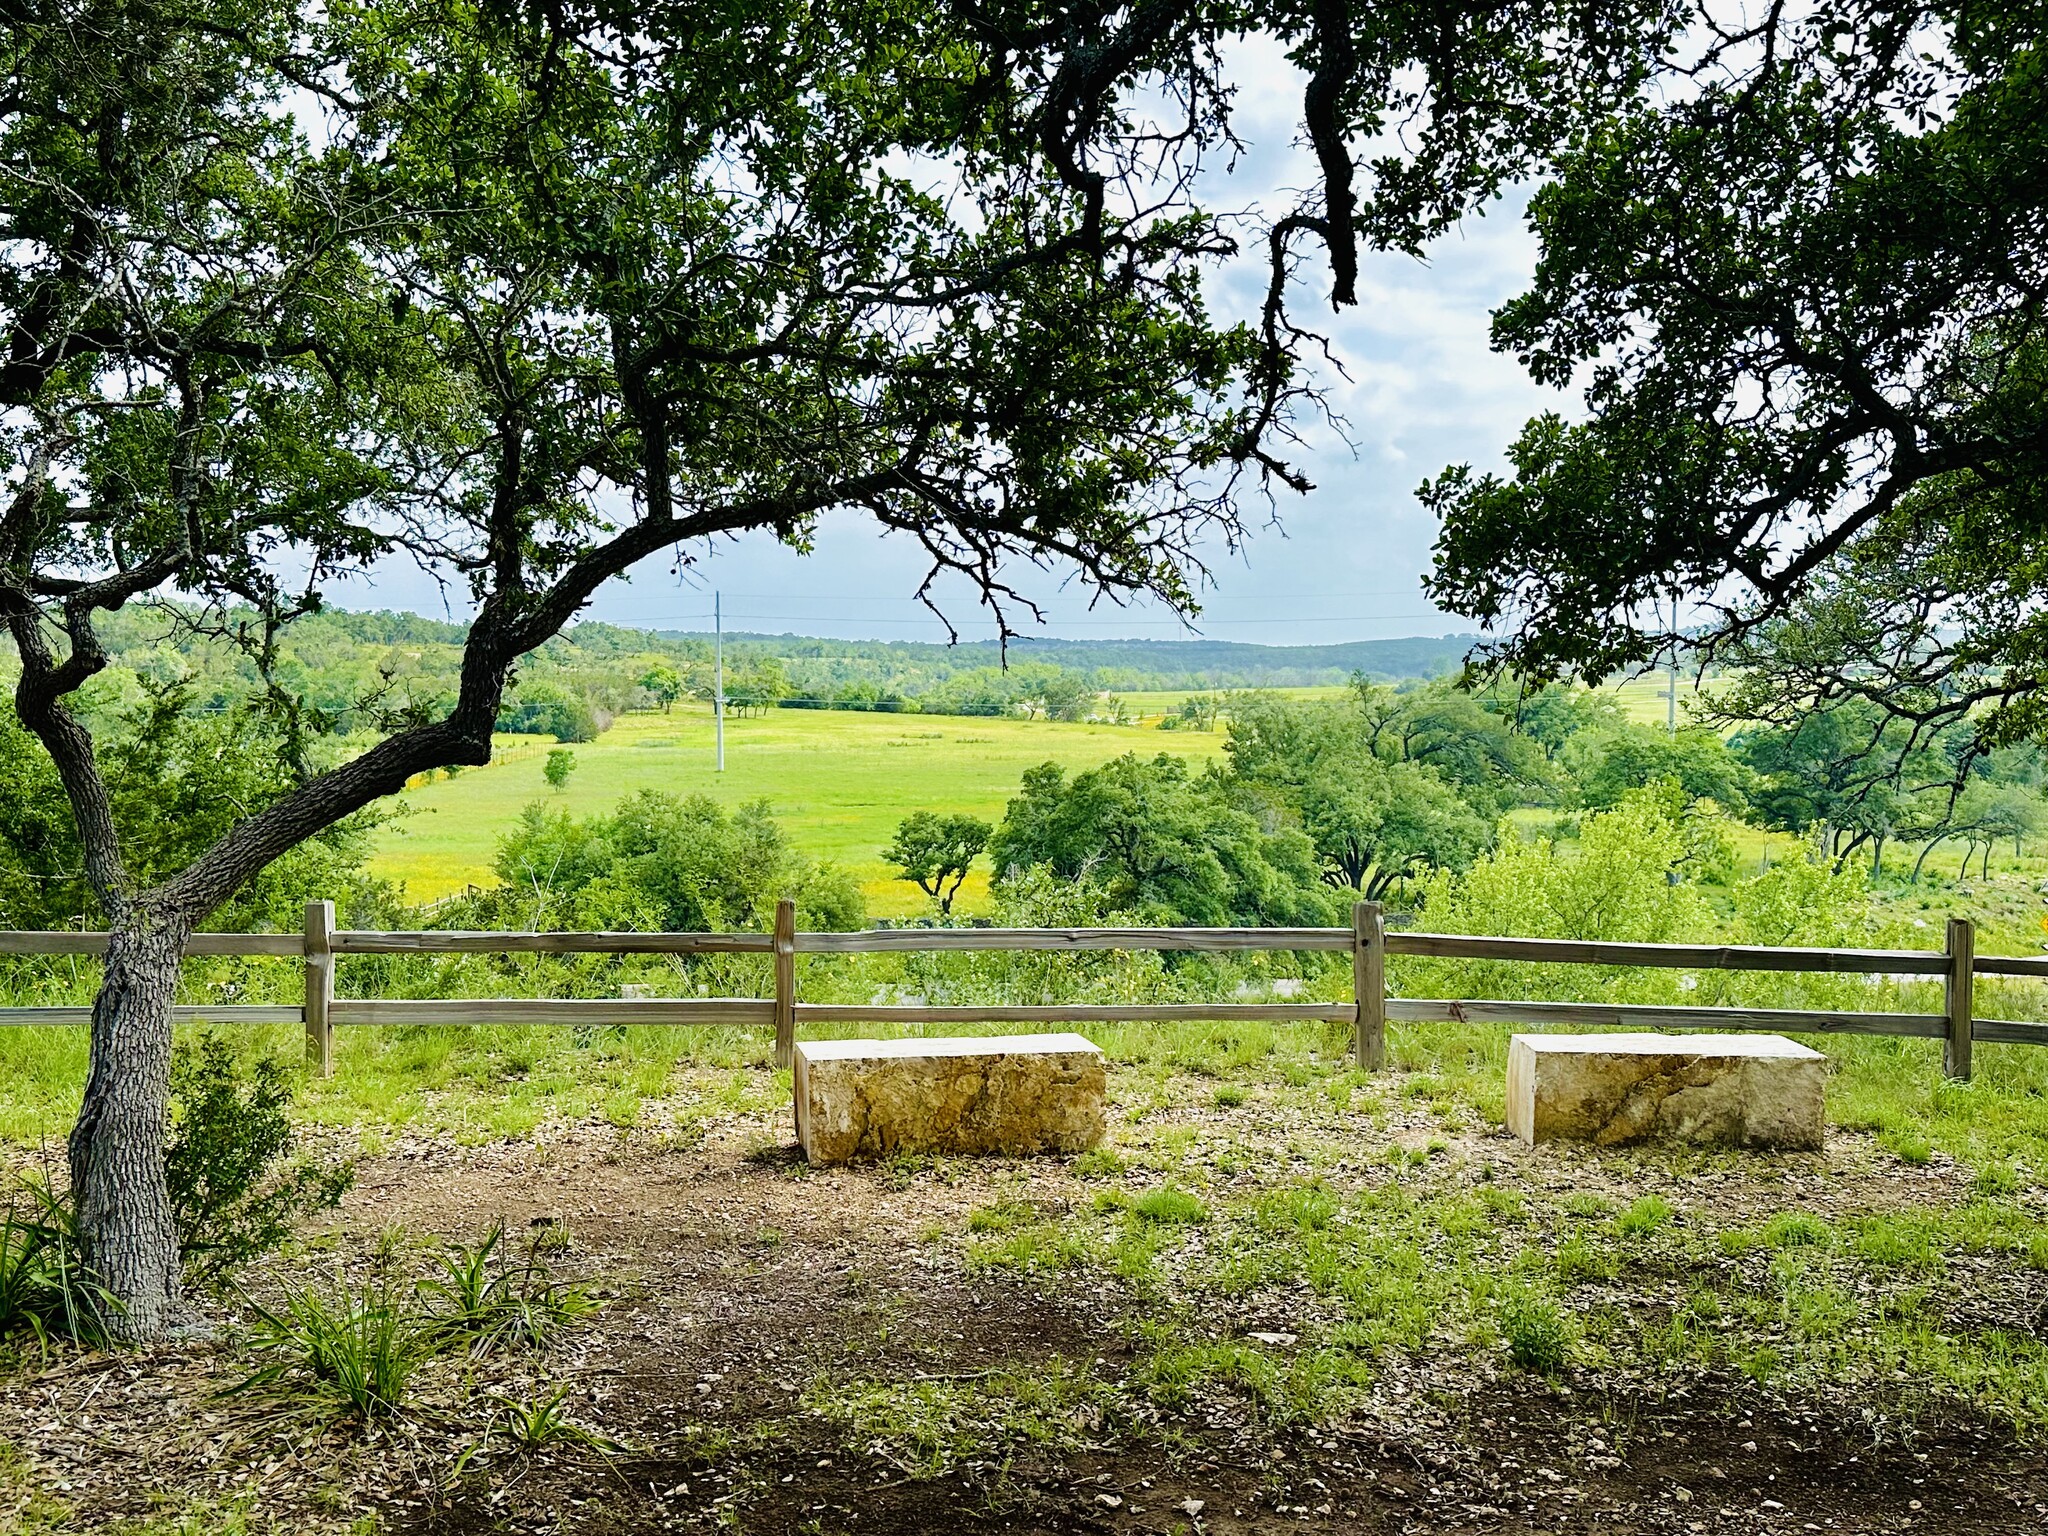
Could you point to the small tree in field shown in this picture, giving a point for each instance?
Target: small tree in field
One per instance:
(934, 852)
(561, 762)
(665, 684)
(529, 295)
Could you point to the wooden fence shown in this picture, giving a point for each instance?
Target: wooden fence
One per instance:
(1367, 941)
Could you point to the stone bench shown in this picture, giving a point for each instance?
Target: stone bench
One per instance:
(1727, 1090)
(1014, 1094)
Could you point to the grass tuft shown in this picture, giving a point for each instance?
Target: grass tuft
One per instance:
(1644, 1217)
(44, 1290)
(352, 1351)
(1538, 1336)
(484, 1301)
(1168, 1206)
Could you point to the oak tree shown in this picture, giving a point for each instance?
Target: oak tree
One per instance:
(935, 852)
(528, 294)
(1802, 289)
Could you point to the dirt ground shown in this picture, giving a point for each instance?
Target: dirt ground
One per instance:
(740, 1281)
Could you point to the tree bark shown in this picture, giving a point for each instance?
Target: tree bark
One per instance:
(125, 1220)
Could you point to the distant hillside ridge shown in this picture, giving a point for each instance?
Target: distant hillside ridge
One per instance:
(1162, 664)
(349, 663)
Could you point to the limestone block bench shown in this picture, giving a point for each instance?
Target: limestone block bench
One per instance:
(1015, 1094)
(1729, 1090)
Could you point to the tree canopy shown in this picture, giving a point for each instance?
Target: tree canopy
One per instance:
(1801, 287)
(935, 852)
(1163, 841)
(662, 861)
(1374, 814)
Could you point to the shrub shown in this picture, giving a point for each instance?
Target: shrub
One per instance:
(547, 709)
(235, 1194)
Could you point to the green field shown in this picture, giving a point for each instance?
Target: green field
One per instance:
(1646, 699)
(839, 781)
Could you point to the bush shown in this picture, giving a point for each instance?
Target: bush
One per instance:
(234, 1193)
(546, 709)
(685, 864)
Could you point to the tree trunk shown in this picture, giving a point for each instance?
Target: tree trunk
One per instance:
(1917, 863)
(127, 1230)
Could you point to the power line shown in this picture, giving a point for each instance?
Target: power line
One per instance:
(1061, 623)
(1213, 598)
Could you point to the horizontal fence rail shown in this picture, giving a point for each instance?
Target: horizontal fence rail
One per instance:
(877, 941)
(347, 942)
(226, 1013)
(1077, 1013)
(14, 942)
(1424, 1010)
(1368, 1012)
(595, 1012)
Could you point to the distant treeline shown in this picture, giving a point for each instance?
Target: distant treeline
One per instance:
(1122, 666)
(364, 668)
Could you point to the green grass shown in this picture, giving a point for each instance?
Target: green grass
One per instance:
(839, 781)
(1899, 1305)
(929, 1427)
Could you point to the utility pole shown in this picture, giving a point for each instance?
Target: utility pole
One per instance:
(718, 675)
(1671, 695)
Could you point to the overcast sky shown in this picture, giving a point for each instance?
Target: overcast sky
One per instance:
(1342, 563)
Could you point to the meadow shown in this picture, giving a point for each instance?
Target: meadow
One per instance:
(838, 781)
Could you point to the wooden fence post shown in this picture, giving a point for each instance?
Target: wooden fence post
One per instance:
(1369, 984)
(319, 986)
(785, 983)
(1960, 997)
